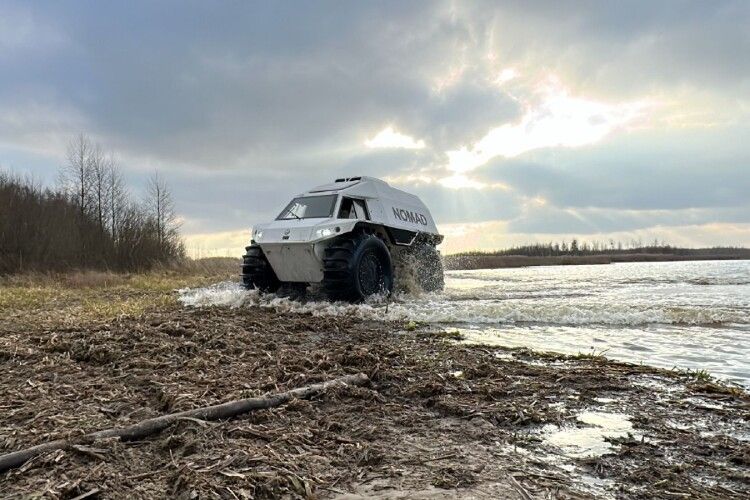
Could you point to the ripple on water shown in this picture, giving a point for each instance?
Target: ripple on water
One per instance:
(661, 314)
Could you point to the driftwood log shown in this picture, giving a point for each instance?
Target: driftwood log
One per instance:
(157, 424)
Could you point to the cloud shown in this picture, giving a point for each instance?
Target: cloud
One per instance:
(559, 120)
(582, 221)
(640, 170)
(628, 49)
(41, 124)
(496, 234)
(532, 116)
(466, 205)
(23, 33)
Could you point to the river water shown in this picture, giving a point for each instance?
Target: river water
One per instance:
(689, 315)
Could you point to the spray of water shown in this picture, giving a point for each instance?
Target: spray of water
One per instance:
(693, 315)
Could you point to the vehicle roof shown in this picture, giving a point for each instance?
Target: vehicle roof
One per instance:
(395, 208)
(343, 183)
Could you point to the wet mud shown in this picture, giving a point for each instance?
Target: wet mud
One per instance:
(440, 419)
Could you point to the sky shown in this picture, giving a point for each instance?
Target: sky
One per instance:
(515, 121)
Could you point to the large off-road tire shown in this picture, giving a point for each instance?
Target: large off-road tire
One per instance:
(429, 268)
(356, 266)
(257, 271)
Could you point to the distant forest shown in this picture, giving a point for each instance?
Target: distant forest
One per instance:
(610, 247)
(89, 220)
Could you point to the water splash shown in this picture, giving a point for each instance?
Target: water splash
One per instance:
(662, 314)
(452, 308)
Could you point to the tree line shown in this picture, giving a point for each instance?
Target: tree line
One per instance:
(610, 247)
(89, 220)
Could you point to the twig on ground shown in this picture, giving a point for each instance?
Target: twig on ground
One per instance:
(157, 424)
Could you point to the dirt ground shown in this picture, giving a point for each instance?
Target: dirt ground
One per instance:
(439, 419)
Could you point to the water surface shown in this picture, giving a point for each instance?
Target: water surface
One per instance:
(689, 315)
(693, 315)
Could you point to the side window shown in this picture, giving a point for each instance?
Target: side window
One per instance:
(347, 209)
(353, 209)
(361, 209)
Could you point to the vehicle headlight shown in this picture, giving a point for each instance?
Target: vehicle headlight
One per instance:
(257, 234)
(324, 232)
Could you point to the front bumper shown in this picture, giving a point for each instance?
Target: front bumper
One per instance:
(295, 262)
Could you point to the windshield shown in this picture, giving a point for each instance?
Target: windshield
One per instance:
(309, 207)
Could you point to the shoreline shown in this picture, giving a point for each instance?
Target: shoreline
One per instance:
(440, 419)
(473, 262)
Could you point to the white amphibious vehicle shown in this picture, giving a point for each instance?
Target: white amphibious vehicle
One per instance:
(356, 237)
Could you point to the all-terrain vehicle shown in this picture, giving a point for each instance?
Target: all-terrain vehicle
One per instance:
(356, 237)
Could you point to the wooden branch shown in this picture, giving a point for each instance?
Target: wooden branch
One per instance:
(157, 424)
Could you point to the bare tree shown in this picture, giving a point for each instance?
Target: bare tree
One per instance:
(117, 196)
(89, 222)
(161, 210)
(98, 192)
(76, 175)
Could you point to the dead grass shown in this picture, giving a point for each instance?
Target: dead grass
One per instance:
(102, 295)
(213, 266)
(92, 279)
(72, 279)
(441, 419)
(71, 305)
(87, 353)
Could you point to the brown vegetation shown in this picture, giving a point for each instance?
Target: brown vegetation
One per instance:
(564, 254)
(440, 419)
(87, 222)
(615, 249)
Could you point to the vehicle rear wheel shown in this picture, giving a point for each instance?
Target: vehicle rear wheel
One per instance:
(429, 268)
(355, 267)
(257, 271)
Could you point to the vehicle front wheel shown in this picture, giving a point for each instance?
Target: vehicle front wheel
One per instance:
(257, 271)
(356, 267)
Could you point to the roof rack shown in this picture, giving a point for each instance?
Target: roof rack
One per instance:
(348, 179)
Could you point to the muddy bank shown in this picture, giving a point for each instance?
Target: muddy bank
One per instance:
(440, 418)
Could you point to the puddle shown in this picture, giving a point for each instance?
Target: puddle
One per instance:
(588, 441)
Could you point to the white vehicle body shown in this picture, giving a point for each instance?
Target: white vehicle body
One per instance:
(295, 246)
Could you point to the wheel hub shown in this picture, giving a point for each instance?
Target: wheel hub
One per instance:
(370, 274)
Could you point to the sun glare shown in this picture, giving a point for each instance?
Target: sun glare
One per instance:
(553, 118)
(461, 181)
(506, 75)
(390, 138)
(560, 120)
